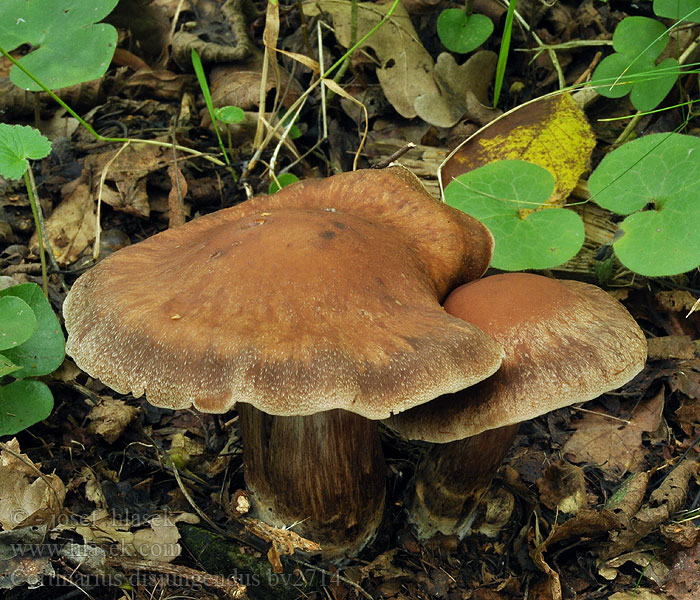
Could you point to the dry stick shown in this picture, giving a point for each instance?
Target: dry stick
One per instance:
(98, 211)
(230, 587)
(385, 162)
(176, 205)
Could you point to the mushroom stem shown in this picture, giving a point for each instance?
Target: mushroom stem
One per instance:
(452, 478)
(323, 475)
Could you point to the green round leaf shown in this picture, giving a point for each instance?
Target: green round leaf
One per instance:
(461, 33)
(229, 114)
(44, 351)
(652, 169)
(640, 38)
(70, 47)
(284, 179)
(17, 144)
(22, 404)
(657, 244)
(17, 322)
(501, 196)
(679, 10)
(616, 75)
(653, 85)
(659, 173)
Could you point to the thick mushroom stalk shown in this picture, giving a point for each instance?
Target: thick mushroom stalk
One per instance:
(565, 342)
(322, 298)
(323, 473)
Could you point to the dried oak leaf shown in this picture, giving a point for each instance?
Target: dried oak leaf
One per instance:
(671, 347)
(71, 227)
(29, 497)
(608, 443)
(447, 107)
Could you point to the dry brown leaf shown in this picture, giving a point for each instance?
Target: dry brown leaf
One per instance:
(159, 542)
(110, 418)
(610, 444)
(671, 347)
(447, 107)
(19, 570)
(405, 67)
(587, 524)
(676, 300)
(552, 133)
(683, 580)
(125, 182)
(563, 486)
(681, 534)
(160, 83)
(651, 567)
(28, 496)
(638, 593)
(71, 227)
(664, 501)
(239, 84)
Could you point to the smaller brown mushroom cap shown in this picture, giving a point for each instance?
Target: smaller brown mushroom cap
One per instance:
(323, 296)
(565, 342)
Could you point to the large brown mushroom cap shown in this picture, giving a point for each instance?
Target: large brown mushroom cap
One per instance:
(565, 342)
(325, 295)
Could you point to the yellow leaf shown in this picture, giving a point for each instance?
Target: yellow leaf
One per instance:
(552, 133)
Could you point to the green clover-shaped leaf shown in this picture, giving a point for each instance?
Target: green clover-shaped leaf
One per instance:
(638, 42)
(43, 352)
(656, 180)
(508, 197)
(17, 144)
(70, 47)
(680, 10)
(463, 33)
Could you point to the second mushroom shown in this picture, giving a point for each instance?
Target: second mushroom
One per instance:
(565, 342)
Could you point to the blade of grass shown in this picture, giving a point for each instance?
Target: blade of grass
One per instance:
(503, 53)
(204, 86)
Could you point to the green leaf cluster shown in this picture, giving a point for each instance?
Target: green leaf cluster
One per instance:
(31, 345)
(632, 69)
